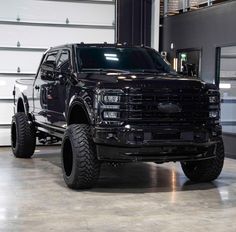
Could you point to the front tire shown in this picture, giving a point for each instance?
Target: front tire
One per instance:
(205, 170)
(80, 165)
(23, 136)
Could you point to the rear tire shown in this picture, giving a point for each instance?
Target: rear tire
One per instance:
(80, 165)
(23, 136)
(205, 170)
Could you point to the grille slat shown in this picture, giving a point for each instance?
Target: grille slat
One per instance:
(143, 105)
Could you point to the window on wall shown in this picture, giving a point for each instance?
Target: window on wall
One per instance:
(227, 84)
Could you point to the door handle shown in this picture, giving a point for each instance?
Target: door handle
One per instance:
(37, 87)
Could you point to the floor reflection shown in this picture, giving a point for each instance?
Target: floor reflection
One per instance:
(131, 177)
(33, 194)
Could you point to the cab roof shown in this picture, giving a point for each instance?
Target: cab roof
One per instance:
(115, 45)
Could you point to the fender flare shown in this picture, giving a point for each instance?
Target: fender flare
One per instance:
(25, 102)
(78, 102)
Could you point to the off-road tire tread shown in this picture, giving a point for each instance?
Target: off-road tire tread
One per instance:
(26, 136)
(87, 166)
(205, 170)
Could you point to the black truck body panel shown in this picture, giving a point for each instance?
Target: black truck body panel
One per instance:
(159, 117)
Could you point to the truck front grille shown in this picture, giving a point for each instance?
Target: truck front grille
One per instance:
(143, 106)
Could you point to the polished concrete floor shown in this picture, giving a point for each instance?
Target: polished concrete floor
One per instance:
(131, 197)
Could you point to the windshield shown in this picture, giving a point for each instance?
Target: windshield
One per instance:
(134, 59)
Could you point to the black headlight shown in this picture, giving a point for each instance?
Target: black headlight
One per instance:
(108, 98)
(214, 104)
(109, 103)
(213, 96)
(213, 99)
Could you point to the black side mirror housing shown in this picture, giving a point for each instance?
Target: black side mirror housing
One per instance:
(59, 78)
(47, 70)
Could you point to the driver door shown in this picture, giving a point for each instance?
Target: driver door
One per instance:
(56, 91)
(44, 77)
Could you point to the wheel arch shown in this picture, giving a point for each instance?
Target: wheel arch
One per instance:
(20, 107)
(78, 114)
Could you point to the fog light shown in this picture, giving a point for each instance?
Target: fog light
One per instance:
(213, 114)
(214, 133)
(213, 99)
(111, 115)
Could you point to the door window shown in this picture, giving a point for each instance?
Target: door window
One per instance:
(64, 61)
(48, 65)
(52, 56)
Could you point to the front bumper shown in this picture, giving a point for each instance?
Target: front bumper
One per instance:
(156, 143)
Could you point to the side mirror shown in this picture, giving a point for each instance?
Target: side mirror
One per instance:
(47, 70)
(59, 78)
(64, 68)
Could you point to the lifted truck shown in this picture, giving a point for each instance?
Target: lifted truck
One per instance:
(117, 103)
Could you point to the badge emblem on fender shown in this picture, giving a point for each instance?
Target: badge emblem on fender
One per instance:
(169, 107)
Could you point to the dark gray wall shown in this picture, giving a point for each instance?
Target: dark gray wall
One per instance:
(134, 21)
(230, 145)
(205, 29)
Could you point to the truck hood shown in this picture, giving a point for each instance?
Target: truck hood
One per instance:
(143, 80)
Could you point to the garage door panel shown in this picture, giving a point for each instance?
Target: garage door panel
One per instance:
(6, 87)
(5, 140)
(26, 61)
(7, 108)
(41, 11)
(29, 27)
(226, 65)
(47, 36)
(229, 129)
(228, 112)
(7, 83)
(227, 74)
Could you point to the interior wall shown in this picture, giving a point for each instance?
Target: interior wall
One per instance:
(203, 29)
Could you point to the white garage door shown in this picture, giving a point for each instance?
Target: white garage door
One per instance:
(29, 27)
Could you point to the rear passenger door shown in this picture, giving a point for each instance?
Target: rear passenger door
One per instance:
(56, 91)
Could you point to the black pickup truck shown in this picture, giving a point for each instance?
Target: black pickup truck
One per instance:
(117, 103)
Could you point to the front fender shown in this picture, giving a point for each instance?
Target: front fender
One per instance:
(21, 100)
(79, 101)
